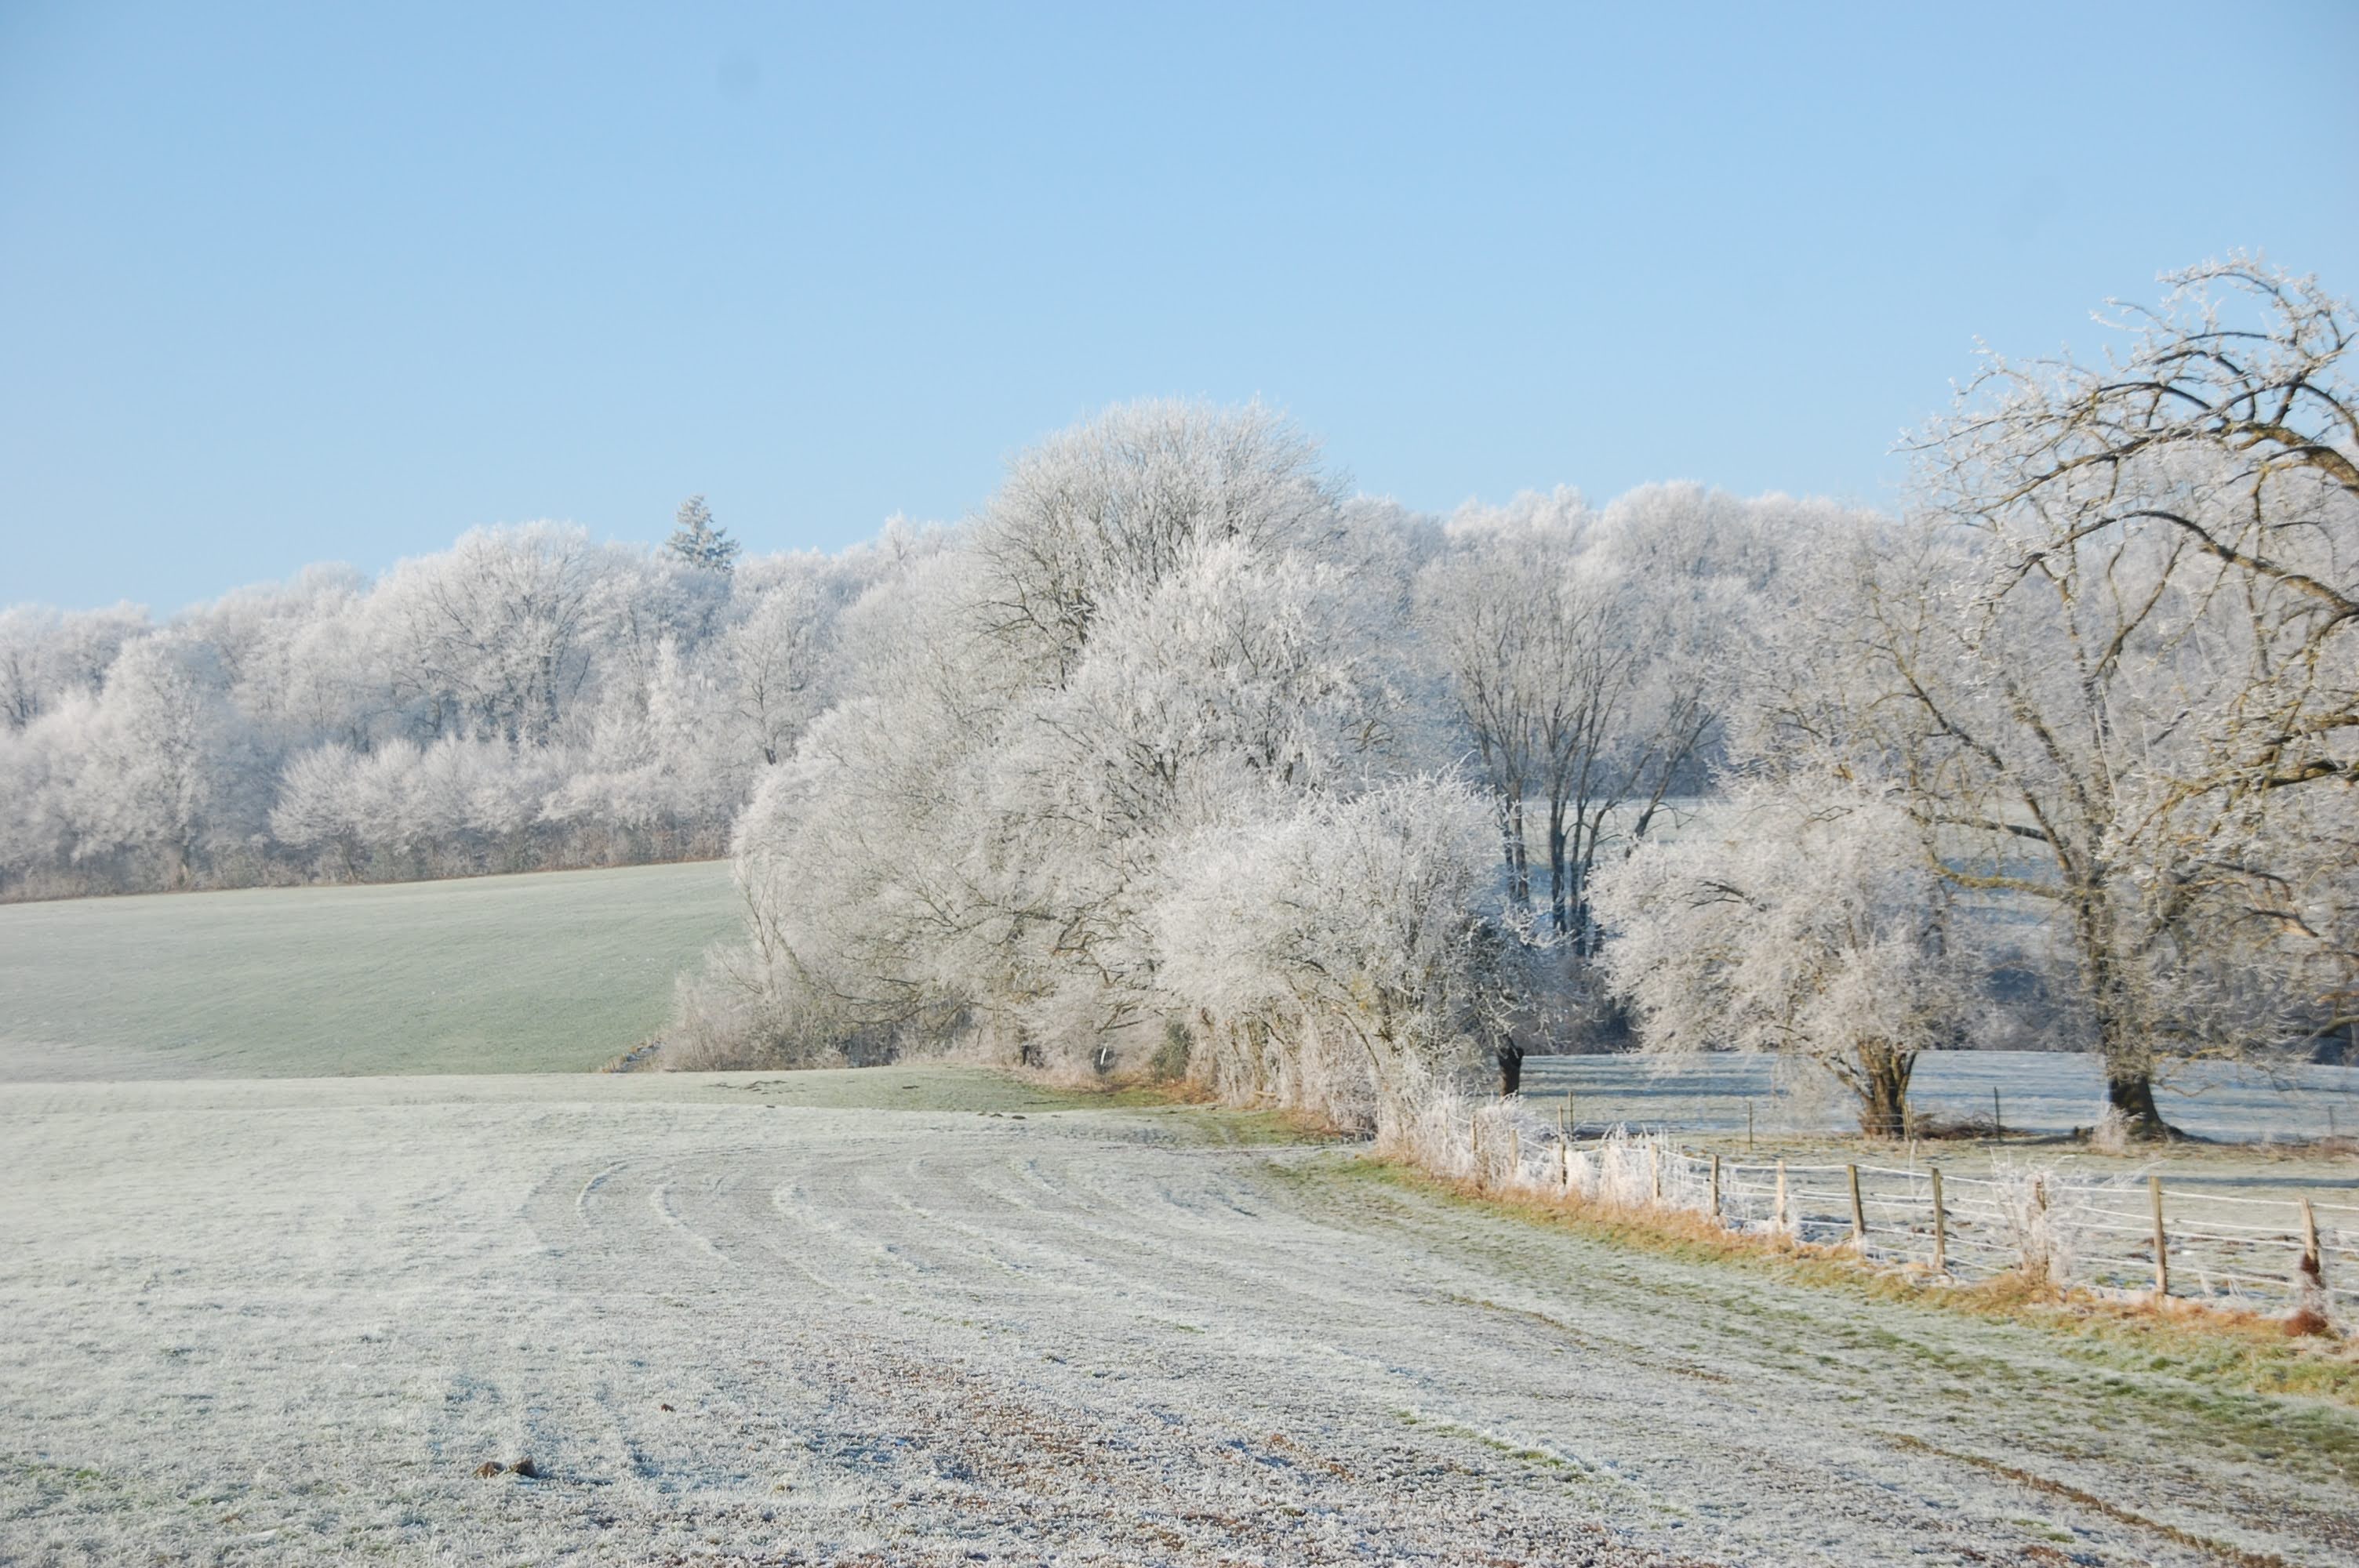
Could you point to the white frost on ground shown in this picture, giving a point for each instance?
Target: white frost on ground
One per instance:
(2040, 1091)
(286, 1322)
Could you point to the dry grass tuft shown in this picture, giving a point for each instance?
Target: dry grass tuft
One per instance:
(2308, 1322)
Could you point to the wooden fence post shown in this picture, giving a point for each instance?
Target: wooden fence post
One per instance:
(1998, 1128)
(1858, 1214)
(1748, 1124)
(1716, 1188)
(1779, 1218)
(1654, 1169)
(2040, 1230)
(2161, 1241)
(2314, 1257)
(1941, 1226)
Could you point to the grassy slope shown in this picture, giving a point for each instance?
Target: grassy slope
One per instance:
(548, 973)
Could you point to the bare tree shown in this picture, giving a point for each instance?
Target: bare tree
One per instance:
(1586, 658)
(2157, 637)
(2230, 425)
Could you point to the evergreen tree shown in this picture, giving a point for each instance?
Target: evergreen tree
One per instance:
(695, 540)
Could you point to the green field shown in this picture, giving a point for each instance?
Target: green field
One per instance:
(555, 972)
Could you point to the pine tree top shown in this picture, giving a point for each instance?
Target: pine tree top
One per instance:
(695, 540)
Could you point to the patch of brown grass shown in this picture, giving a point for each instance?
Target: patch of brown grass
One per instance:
(2306, 1322)
(1121, 1090)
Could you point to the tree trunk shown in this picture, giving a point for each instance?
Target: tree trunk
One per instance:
(1559, 893)
(2129, 1090)
(1883, 1086)
(1519, 860)
(1511, 1069)
(2121, 1038)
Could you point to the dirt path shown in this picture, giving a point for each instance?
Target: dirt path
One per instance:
(287, 1321)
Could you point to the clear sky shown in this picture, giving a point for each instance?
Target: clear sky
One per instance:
(336, 283)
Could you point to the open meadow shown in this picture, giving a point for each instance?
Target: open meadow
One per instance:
(554, 972)
(340, 1234)
(928, 1314)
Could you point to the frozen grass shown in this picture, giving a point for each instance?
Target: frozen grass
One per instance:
(2245, 1352)
(2232, 1206)
(554, 972)
(933, 1317)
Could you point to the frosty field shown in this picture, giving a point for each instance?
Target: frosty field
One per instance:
(553, 972)
(927, 1316)
(2040, 1091)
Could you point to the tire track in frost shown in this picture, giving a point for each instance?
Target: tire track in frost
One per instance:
(1066, 1253)
(811, 1335)
(1839, 1472)
(1038, 1217)
(1082, 1240)
(1249, 1326)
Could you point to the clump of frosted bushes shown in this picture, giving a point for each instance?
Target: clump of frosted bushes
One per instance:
(1503, 1146)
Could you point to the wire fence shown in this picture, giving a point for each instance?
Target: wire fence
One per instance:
(2130, 1237)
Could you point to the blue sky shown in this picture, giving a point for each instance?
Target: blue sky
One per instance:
(337, 282)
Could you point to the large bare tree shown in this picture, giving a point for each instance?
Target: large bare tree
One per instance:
(2155, 632)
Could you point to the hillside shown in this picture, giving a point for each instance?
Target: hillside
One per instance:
(554, 972)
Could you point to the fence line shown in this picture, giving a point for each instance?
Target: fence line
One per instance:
(2073, 1232)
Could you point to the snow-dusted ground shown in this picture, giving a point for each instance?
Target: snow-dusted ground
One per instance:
(285, 1321)
(2040, 1091)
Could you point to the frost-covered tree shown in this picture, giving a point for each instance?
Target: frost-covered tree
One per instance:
(1150, 632)
(157, 773)
(778, 655)
(2139, 640)
(696, 541)
(1115, 503)
(1495, 614)
(1803, 915)
(47, 655)
(659, 765)
(1338, 957)
(498, 635)
(2226, 430)
(1589, 657)
(862, 860)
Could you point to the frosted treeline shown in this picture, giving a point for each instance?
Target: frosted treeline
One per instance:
(2101, 688)
(1178, 756)
(527, 698)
